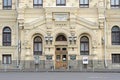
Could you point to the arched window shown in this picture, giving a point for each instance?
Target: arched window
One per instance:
(61, 38)
(115, 35)
(84, 45)
(37, 46)
(6, 36)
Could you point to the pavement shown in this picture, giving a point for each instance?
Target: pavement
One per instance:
(58, 76)
(62, 70)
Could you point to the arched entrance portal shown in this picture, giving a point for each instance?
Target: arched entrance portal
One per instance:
(61, 53)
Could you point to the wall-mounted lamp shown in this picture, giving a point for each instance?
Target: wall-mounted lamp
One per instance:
(49, 39)
(72, 39)
(21, 25)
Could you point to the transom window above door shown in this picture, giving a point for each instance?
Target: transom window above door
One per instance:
(60, 2)
(61, 38)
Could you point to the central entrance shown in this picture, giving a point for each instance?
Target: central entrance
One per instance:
(61, 57)
(61, 53)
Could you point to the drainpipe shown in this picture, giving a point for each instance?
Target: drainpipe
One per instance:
(17, 34)
(105, 39)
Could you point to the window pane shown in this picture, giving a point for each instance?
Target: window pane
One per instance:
(58, 1)
(62, 1)
(35, 47)
(112, 2)
(9, 2)
(117, 2)
(58, 57)
(40, 47)
(4, 60)
(86, 47)
(82, 47)
(40, 2)
(86, 1)
(9, 59)
(35, 1)
(81, 1)
(5, 2)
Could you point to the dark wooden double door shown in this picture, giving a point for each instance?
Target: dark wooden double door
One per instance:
(61, 57)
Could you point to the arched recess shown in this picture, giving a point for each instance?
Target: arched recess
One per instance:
(61, 38)
(60, 31)
(85, 44)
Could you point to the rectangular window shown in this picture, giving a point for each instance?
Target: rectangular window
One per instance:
(37, 3)
(6, 59)
(60, 2)
(7, 4)
(115, 58)
(84, 3)
(115, 3)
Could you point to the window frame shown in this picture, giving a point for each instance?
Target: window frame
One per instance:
(115, 5)
(60, 4)
(84, 43)
(116, 58)
(37, 5)
(7, 6)
(114, 36)
(6, 36)
(84, 4)
(38, 45)
(8, 57)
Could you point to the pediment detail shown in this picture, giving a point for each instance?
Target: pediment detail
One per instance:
(35, 22)
(87, 23)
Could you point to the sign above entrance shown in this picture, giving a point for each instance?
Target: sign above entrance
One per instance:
(60, 16)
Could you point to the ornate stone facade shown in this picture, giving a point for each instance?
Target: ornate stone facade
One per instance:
(50, 21)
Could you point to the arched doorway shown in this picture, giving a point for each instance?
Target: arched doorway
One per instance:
(61, 53)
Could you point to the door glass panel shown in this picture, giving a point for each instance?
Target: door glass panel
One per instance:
(64, 57)
(57, 49)
(64, 49)
(58, 57)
